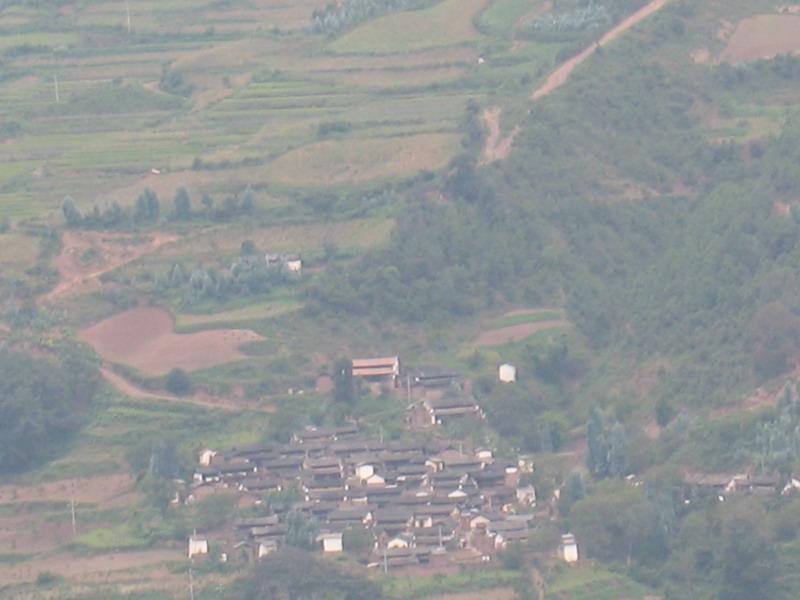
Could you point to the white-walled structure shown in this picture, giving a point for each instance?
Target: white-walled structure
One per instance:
(507, 373)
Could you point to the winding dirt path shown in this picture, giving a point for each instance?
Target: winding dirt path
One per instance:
(112, 250)
(496, 147)
(199, 399)
(562, 74)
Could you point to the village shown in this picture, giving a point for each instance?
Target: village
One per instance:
(423, 501)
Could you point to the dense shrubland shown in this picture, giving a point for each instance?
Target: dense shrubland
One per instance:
(706, 281)
(43, 402)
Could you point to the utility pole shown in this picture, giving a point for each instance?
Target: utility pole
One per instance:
(440, 537)
(72, 510)
(128, 15)
(55, 86)
(191, 584)
(385, 562)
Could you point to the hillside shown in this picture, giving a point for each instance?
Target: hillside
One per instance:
(208, 209)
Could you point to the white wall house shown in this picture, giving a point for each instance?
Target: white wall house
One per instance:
(197, 546)
(569, 548)
(507, 373)
(206, 456)
(331, 542)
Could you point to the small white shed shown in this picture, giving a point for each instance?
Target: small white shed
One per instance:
(197, 546)
(331, 542)
(569, 548)
(507, 373)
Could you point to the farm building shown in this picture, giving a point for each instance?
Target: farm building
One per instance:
(385, 369)
(569, 548)
(507, 373)
(331, 542)
(197, 546)
(439, 411)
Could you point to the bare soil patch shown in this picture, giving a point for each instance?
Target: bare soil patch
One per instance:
(768, 395)
(701, 56)
(88, 255)
(68, 565)
(763, 37)
(95, 490)
(497, 147)
(516, 333)
(144, 338)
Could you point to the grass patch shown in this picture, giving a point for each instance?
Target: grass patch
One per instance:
(333, 162)
(444, 24)
(588, 583)
(254, 312)
(409, 588)
(501, 16)
(526, 317)
(124, 536)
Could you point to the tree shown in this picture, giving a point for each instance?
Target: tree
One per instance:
(178, 382)
(301, 531)
(748, 561)
(664, 412)
(616, 523)
(574, 491)
(775, 337)
(248, 248)
(296, 575)
(618, 451)
(597, 457)
(343, 388)
(71, 214)
(208, 202)
(182, 204)
(147, 206)
(248, 203)
(42, 401)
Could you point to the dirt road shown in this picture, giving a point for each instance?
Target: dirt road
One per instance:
(112, 251)
(560, 76)
(497, 148)
(199, 399)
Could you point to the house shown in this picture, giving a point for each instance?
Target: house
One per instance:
(569, 548)
(401, 540)
(526, 495)
(379, 369)
(440, 411)
(392, 519)
(289, 264)
(197, 545)
(293, 264)
(206, 456)
(507, 373)
(267, 547)
(432, 378)
(331, 542)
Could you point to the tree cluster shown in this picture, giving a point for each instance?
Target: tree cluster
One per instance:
(42, 403)
(336, 17)
(147, 210)
(297, 575)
